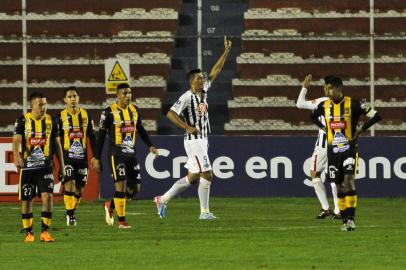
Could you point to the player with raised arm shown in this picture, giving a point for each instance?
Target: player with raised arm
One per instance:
(319, 156)
(190, 113)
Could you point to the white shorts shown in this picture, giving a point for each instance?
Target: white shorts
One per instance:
(197, 157)
(319, 159)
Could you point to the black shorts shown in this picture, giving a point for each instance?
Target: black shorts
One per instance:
(125, 168)
(34, 182)
(340, 164)
(76, 171)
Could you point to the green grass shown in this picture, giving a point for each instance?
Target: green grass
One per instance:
(255, 233)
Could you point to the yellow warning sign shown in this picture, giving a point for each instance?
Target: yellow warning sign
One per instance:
(116, 71)
(117, 74)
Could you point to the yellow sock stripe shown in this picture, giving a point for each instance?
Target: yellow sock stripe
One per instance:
(342, 204)
(27, 222)
(351, 201)
(113, 168)
(47, 221)
(120, 206)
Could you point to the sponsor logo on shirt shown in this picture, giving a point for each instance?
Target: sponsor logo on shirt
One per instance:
(127, 129)
(75, 135)
(338, 125)
(37, 141)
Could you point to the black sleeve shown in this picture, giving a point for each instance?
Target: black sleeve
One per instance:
(142, 131)
(19, 126)
(362, 108)
(91, 134)
(103, 126)
(372, 121)
(55, 127)
(316, 114)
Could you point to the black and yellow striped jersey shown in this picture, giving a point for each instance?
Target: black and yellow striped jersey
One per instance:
(122, 126)
(342, 119)
(74, 130)
(37, 139)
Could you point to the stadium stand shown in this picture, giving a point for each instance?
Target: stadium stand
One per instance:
(283, 42)
(275, 44)
(68, 42)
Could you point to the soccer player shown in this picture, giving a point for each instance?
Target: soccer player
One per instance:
(75, 126)
(319, 156)
(122, 121)
(190, 113)
(36, 134)
(342, 114)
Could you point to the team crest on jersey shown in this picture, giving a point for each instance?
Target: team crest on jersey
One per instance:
(202, 108)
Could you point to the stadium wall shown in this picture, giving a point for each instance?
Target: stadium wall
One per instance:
(243, 166)
(262, 166)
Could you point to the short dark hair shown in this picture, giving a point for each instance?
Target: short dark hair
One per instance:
(35, 95)
(70, 88)
(335, 81)
(192, 73)
(123, 86)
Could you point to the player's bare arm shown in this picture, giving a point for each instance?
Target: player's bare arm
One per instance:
(307, 81)
(95, 162)
(59, 156)
(220, 62)
(18, 161)
(175, 119)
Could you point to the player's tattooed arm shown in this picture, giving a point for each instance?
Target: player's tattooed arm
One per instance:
(220, 62)
(18, 160)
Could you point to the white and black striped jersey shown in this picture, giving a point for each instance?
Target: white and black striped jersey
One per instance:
(194, 110)
(302, 103)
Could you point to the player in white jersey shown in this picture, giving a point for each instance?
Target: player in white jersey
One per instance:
(319, 157)
(190, 113)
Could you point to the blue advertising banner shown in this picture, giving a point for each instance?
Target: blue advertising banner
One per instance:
(256, 166)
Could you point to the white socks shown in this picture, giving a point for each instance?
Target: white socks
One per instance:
(177, 188)
(335, 198)
(204, 192)
(321, 193)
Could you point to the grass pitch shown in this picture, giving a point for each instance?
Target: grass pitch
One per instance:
(254, 233)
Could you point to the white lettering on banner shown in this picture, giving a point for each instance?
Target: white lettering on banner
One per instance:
(6, 167)
(223, 167)
(397, 167)
(281, 160)
(256, 163)
(361, 169)
(308, 162)
(149, 165)
(373, 164)
(10, 167)
(177, 165)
